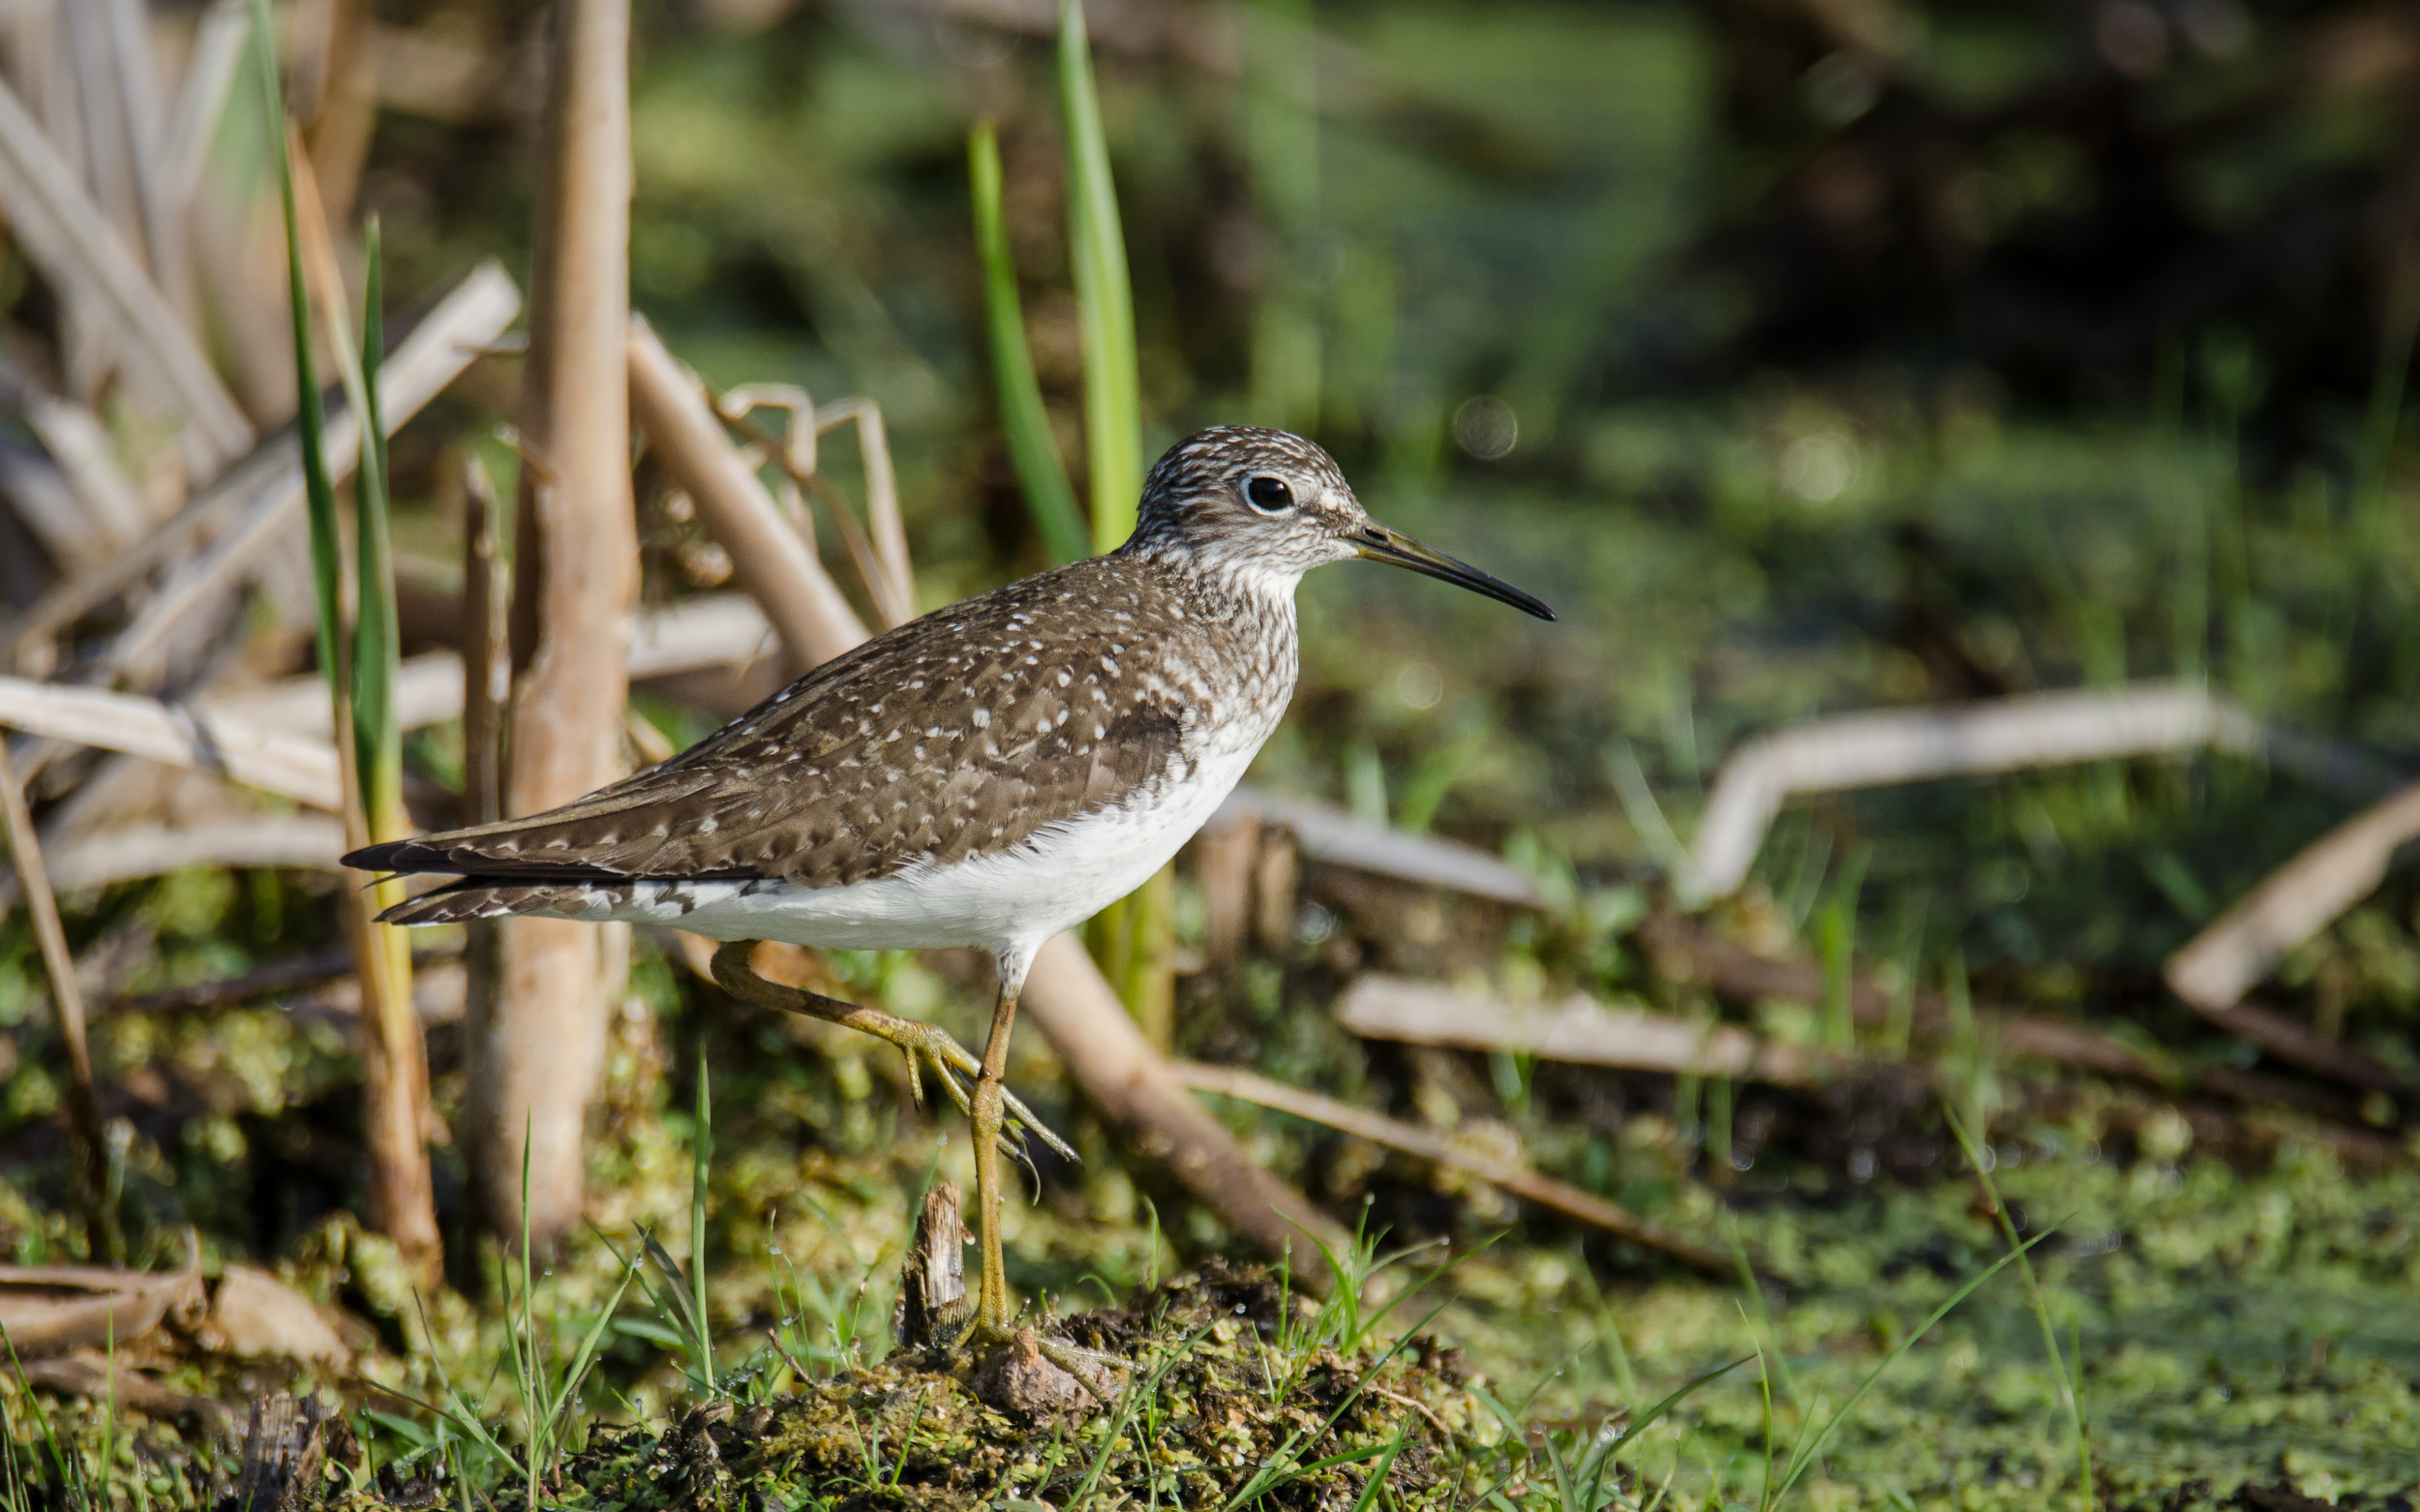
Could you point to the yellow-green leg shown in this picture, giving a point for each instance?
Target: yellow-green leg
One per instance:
(993, 1313)
(925, 1045)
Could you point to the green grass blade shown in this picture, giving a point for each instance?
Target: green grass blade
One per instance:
(1647, 1419)
(1105, 300)
(1041, 472)
(378, 738)
(585, 1355)
(2069, 1387)
(319, 493)
(703, 1147)
(1807, 1455)
(1379, 1471)
(1126, 1407)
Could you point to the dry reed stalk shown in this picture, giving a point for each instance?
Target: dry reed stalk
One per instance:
(535, 1060)
(276, 738)
(774, 561)
(201, 96)
(486, 648)
(486, 684)
(1328, 834)
(300, 842)
(1065, 993)
(2239, 947)
(67, 1004)
(1577, 1031)
(112, 515)
(257, 502)
(346, 106)
(135, 74)
(711, 630)
(1571, 1201)
(77, 250)
(290, 766)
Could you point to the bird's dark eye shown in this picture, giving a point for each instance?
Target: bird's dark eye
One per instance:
(1269, 494)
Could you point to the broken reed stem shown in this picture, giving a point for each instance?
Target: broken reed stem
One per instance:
(536, 1063)
(486, 652)
(66, 1002)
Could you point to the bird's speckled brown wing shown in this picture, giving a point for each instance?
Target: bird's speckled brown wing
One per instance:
(959, 734)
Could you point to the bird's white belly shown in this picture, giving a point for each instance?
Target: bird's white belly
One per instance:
(1009, 902)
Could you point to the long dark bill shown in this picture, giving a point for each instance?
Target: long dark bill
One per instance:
(1380, 544)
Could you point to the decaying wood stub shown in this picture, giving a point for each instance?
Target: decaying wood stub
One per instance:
(932, 1288)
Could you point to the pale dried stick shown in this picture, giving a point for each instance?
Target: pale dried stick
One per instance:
(75, 247)
(1429, 1145)
(201, 96)
(291, 767)
(1912, 745)
(794, 453)
(295, 841)
(1328, 833)
(137, 82)
(536, 1060)
(67, 1003)
(264, 496)
(79, 444)
(2226, 959)
(436, 352)
(1576, 1030)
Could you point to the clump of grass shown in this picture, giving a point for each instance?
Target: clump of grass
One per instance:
(546, 1389)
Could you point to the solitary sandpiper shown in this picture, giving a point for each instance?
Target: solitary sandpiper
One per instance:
(989, 776)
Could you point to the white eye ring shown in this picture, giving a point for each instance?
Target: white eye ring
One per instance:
(1268, 494)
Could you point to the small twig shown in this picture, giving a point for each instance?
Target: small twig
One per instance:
(773, 563)
(1417, 1405)
(1395, 1135)
(882, 503)
(1329, 834)
(67, 1003)
(2218, 966)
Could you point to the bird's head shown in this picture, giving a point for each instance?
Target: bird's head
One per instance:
(1268, 505)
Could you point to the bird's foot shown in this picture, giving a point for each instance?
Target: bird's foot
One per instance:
(922, 1043)
(929, 1044)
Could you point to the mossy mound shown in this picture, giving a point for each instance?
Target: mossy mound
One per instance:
(1230, 1380)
